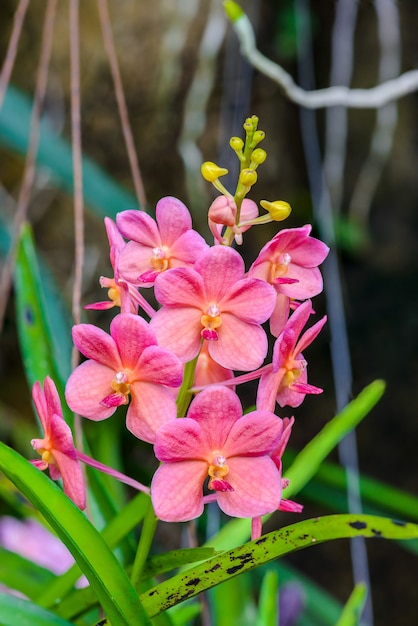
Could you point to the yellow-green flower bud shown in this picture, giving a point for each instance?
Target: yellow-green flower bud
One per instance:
(258, 136)
(233, 10)
(248, 177)
(211, 171)
(236, 144)
(258, 156)
(279, 209)
(250, 123)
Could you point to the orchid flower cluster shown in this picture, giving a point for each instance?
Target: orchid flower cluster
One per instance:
(178, 368)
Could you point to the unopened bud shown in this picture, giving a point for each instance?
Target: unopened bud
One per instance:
(258, 136)
(236, 144)
(279, 209)
(258, 156)
(223, 210)
(211, 171)
(248, 177)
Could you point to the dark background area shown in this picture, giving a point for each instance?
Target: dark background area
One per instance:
(379, 274)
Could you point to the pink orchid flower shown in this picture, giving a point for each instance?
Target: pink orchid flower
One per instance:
(214, 302)
(286, 382)
(290, 263)
(126, 364)
(157, 246)
(121, 293)
(57, 446)
(216, 442)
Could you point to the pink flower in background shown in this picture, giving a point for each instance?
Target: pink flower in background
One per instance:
(286, 382)
(216, 442)
(127, 364)
(290, 263)
(57, 446)
(121, 293)
(214, 302)
(156, 246)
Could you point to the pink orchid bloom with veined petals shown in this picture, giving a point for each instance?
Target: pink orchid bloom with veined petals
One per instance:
(121, 293)
(217, 442)
(57, 446)
(156, 246)
(290, 263)
(223, 212)
(128, 363)
(214, 302)
(286, 381)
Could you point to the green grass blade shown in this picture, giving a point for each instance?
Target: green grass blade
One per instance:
(354, 607)
(35, 340)
(267, 548)
(308, 461)
(19, 612)
(22, 575)
(268, 612)
(107, 578)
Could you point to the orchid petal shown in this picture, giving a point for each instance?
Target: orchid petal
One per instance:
(138, 226)
(257, 487)
(86, 387)
(180, 286)
(177, 491)
(173, 219)
(241, 346)
(267, 390)
(180, 440)
(151, 406)
(132, 335)
(221, 267)
(178, 330)
(252, 299)
(216, 410)
(95, 344)
(258, 431)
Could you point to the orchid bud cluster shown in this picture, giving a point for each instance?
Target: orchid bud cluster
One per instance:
(178, 367)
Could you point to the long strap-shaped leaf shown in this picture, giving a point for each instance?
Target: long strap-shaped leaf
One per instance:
(268, 547)
(107, 578)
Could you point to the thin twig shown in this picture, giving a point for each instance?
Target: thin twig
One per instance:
(10, 57)
(120, 98)
(372, 98)
(77, 162)
(29, 168)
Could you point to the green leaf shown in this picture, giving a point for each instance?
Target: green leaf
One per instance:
(353, 609)
(162, 563)
(107, 578)
(34, 332)
(267, 548)
(101, 193)
(22, 575)
(17, 611)
(268, 614)
(308, 461)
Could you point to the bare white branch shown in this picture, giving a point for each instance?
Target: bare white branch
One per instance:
(372, 98)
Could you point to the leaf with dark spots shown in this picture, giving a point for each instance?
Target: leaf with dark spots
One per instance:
(271, 546)
(358, 525)
(398, 522)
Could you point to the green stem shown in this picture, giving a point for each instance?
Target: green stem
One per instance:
(184, 396)
(144, 545)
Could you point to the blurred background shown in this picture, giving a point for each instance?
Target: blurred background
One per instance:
(188, 90)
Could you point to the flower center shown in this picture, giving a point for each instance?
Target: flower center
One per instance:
(293, 373)
(120, 385)
(159, 260)
(121, 390)
(217, 471)
(280, 267)
(211, 320)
